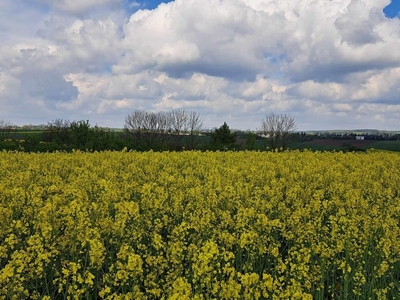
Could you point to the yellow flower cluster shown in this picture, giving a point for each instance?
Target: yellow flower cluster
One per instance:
(199, 225)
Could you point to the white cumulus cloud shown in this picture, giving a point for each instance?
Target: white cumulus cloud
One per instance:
(329, 63)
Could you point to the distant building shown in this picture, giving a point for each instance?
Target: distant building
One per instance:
(360, 137)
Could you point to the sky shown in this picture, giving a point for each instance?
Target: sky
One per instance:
(331, 64)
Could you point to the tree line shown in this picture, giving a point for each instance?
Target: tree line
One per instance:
(175, 130)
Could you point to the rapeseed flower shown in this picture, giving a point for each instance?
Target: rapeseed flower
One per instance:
(193, 225)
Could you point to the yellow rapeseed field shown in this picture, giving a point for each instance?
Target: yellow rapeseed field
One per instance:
(193, 225)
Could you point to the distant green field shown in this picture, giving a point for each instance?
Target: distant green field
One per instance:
(385, 145)
(392, 146)
(21, 134)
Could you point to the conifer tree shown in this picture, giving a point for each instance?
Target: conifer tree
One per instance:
(223, 138)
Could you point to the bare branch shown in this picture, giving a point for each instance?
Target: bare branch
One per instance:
(278, 129)
(195, 124)
(5, 129)
(179, 121)
(149, 128)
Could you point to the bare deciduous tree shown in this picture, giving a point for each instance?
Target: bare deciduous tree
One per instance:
(149, 127)
(162, 122)
(137, 124)
(57, 130)
(179, 125)
(278, 129)
(179, 121)
(195, 125)
(5, 129)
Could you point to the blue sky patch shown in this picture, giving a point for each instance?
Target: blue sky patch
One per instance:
(149, 4)
(393, 9)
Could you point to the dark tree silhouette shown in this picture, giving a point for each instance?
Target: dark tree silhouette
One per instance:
(223, 138)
